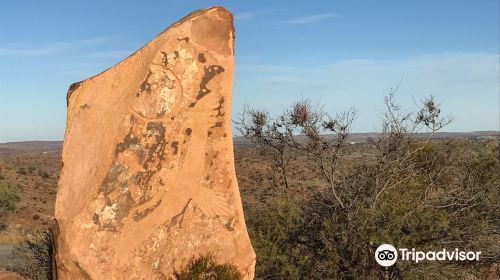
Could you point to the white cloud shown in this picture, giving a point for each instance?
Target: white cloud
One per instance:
(245, 15)
(22, 50)
(251, 16)
(262, 68)
(311, 18)
(114, 54)
(255, 18)
(465, 83)
(87, 65)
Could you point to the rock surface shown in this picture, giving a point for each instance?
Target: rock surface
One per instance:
(7, 275)
(148, 180)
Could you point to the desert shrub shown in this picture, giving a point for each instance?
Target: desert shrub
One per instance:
(414, 193)
(36, 253)
(314, 239)
(44, 174)
(207, 268)
(274, 232)
(303, 129)
(10, 195)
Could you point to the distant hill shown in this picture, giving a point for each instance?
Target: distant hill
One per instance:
(30, 146)
(239, 141)
(437, 135)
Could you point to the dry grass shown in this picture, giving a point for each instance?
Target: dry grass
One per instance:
(11, 236)
(36, 208)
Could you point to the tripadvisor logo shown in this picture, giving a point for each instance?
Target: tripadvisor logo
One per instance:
(387, 255)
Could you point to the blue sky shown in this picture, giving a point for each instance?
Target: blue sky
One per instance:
(342, 53)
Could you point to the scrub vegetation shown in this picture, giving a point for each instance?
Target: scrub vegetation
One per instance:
(319, 214)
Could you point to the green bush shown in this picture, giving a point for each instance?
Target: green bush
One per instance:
(207, 268)
(413, 191)
(37, 255)
(10, 195)
(450, 192)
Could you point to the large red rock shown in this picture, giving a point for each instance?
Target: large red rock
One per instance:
(148, 179)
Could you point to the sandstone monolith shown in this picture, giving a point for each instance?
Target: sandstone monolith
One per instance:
(148, 180)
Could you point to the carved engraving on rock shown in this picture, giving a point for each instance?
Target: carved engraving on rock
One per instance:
(132, 175)
(159, 95)
(127, 188)
(209, 73)
(157, 186)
